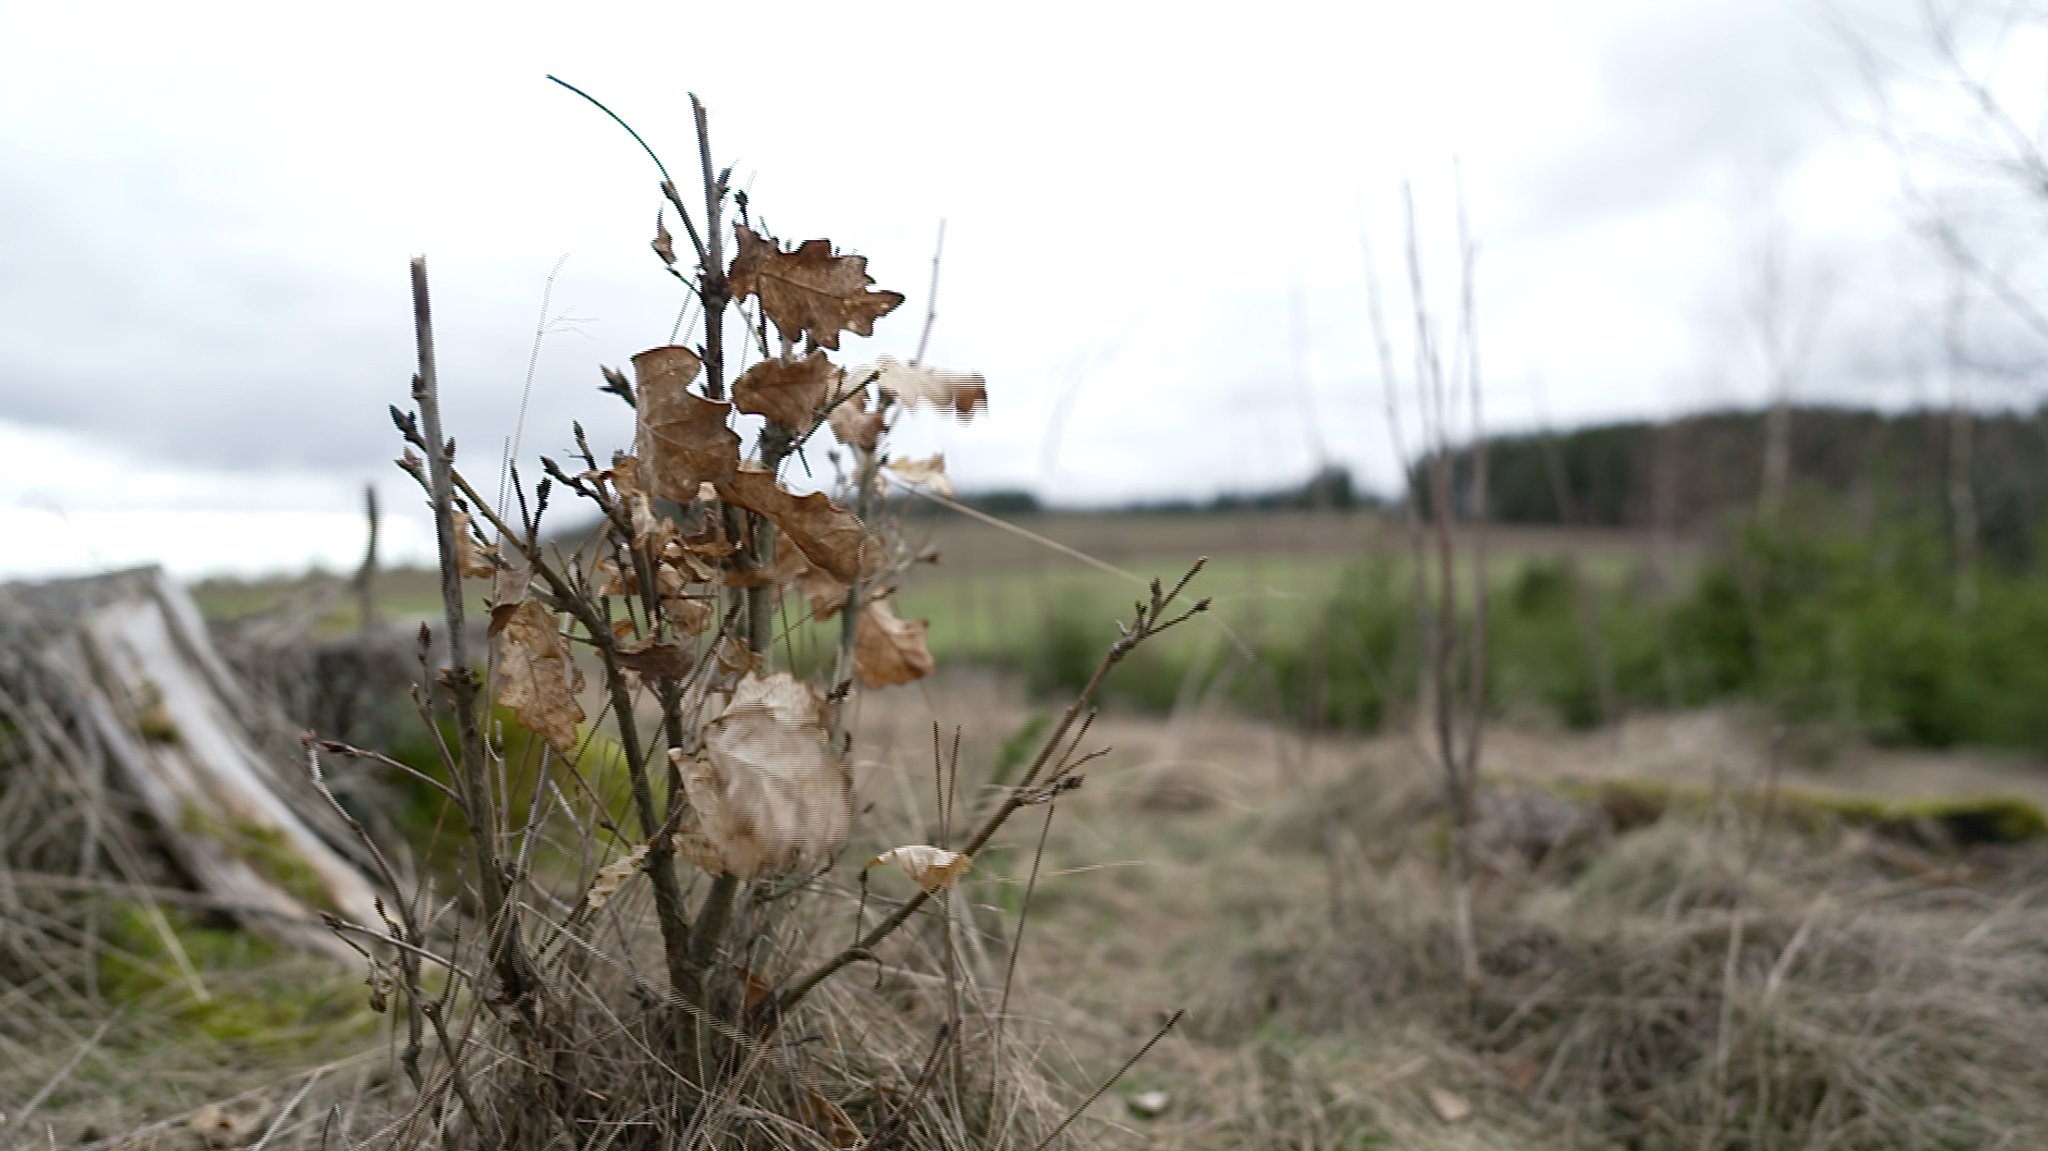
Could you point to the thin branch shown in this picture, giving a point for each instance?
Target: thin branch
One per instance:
(459, 676)
(931, 313)
(668, 186)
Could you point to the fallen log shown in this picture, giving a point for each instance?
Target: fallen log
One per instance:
(148, 701)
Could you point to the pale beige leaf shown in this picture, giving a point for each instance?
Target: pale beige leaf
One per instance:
(218, 1128)
(809, 293)
(768, 791)
(471, 559)
(1449, 1106)
(887, 650)
(929, 474)
(788, 392)
(828, 535)
(1148, 1104)
(916, 384)
(683, 438)
(613, 876)
(932, 868)
(540, 678)
(694, 846)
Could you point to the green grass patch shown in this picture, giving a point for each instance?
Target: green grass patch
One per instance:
(256, 996)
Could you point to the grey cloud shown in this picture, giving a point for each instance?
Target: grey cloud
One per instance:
(1696, 98)
(182, 346)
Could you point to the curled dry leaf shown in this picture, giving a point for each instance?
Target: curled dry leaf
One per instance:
(613, 876)
(658, 660)
(508, 590)
(612, 581)
(541, 679)
(471, 559)
(683, 438)
(651, 530)
(855, 424)
(825, 1117)
(887, 650)
(789, 562)
(827, 595)
(734, 657)
(685, 557)
(788, 392)
(828, 535)
(809, 292)
(690, 614)
(768, 792)
(694, 845)
(929, 474)
(932, 868)
(915, 384)
(664, 244)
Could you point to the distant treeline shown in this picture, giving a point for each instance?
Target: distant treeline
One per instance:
(1688, 473)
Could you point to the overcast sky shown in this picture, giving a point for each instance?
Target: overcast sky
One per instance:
(1156, 225)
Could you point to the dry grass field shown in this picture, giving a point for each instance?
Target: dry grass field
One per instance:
(1727, 973)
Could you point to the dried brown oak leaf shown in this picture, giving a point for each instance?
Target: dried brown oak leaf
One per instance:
(788, 392)
(768, 791)
(887, 650)
(829, 536)
(915, 384)
(809, 292)
(683, 438)
(541, 679)
(929, 474)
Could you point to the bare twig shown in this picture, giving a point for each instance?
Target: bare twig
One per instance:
(459, 677)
